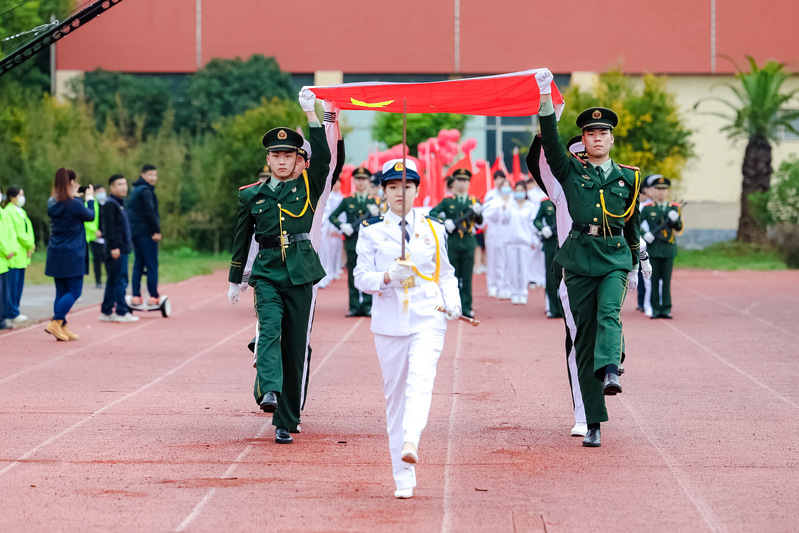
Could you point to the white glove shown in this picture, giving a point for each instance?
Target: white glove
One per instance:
(373, 209)
(347, 229)
(307, 99)
(546, 232)
(646, 268)
(674, 216)
(244, 286)
(453, 312)
(233, 293)
(449, 225)
(632, 280)
(399, 272)
(649, 238)
(544, 80)
(477, 208)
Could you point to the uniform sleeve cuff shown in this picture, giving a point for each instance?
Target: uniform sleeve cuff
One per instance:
(316, 124)
(546, 108)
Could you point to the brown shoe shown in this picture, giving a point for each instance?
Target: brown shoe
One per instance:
(54, 329)
(135, 300)
(153, 302)
(68, 333)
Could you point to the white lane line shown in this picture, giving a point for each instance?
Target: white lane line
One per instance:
(122, 399)
(84, 347)
(210, 494)
(733, 366)
(701, 506)
(446, 522)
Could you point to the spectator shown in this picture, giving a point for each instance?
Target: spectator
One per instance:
(118, 247)
(6, 253)
(25, 244)
(94, 235)
(145, 227)
(67, 249)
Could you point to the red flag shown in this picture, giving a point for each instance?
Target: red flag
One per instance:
(517, 167)
(464, 162)
(346, 180)
(506, 95)
(479, 185)
(499, 164)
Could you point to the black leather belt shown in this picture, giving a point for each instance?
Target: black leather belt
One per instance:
(595, 230)
(274, 242)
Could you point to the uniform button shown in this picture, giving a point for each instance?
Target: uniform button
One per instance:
(601, 191)
(618, 244)
(595, 219)
(598, 205)
(260, 210)
(282, 218)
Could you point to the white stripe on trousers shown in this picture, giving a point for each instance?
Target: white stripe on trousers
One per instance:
(571, 357)
(408, 365)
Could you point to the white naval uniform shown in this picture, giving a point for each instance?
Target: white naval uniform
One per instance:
(496, 239)
(331, 242)
(537, 267)
(647, 288)
(492, 251)
(564, 225)
(408, 344)
(520, 240)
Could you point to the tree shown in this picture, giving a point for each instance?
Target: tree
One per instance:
(650, 134)
(757, 114)
(388, 127)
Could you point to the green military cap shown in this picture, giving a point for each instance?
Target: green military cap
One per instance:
(282, 140)
(597, 118)
(659, 182)
(462, 174)
(361, 172)
(265, 171)
(576, 147)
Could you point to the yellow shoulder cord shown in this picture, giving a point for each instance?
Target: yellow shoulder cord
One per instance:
(283, 243)
(627, 214)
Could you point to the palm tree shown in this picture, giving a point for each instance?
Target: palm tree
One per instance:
(759, 113)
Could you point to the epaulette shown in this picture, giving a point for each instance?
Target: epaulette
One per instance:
(647, 203)
(434, 219)
(675, 204)
(248, 186)
(629, 166)
(545, 198)
(372, 220)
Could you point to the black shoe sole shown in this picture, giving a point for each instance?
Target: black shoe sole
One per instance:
(611, 390)
(284, 441)
(591, 445)
(268, 408)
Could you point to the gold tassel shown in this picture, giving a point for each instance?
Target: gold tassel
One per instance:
(405, 304)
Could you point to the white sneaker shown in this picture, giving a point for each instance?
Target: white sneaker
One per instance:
(107, 318)
(579, 430)
(504, 295)
(647, 311)
(409, 455)
(492, 293)
(19, 318)
(403, 494)
(126, 318)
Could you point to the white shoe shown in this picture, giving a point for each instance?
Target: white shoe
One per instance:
(409, 455)
(403, 494)
(579, 430)
(107, 318)
(126, 318)
(19, 318)
(648, 311)
(504, 295)
(492, 293)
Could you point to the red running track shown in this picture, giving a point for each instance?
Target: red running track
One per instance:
(152, 427)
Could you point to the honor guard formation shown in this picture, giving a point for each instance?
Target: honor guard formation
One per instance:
(584, 228)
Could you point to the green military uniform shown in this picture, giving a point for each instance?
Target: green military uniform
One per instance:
(356, 209)
(461, 244)
(546, 217)
(285, 269)
(662, 250)
(599, 252)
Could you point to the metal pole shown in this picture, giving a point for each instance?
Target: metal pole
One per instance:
(403, 222)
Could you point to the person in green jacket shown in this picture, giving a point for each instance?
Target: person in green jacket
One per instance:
(461, 213)
(547, 226)
(661, 221)
(7, 251)
(279, 213)
(95, 237)
(25, 244)
(600, 255)
(357, 208)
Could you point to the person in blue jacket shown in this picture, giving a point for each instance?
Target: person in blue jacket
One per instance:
(66, 252)
(145, 227)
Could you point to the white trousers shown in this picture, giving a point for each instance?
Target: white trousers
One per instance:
(517, 269)
(495, 267)
(330, 256)
(409, 370)
(571, 355)
(537, 271)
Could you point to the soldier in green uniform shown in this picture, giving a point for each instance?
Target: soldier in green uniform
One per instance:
(660, 221)
(279, 213)
(460, 213)
(601, 251)
(547, 226)
(357, 208)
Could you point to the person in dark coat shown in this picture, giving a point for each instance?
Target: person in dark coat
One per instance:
(118, 246)
(67, 250)
(145, 227)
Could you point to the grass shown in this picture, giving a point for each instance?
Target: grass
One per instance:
(173, 266)
(731, 255)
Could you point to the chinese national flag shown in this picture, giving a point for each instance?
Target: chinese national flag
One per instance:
(464, 162)
(479, 184)
(517, 167)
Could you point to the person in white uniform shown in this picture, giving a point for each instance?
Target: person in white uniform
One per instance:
(497, 214)
(493, 241)
(408, 329)
(331, 244)
(520, 243)
(537, 270)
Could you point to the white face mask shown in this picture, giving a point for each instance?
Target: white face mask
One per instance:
(20, 201)
(101, 197)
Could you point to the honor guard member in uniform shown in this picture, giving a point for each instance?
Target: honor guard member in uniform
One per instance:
(660, 222)
(600, 254)
(408, 329)
(279, 212)
(357, 208)
(645, 284)
(547, 226)
(461, 213)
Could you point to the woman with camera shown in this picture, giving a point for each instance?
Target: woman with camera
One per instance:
(66, 252)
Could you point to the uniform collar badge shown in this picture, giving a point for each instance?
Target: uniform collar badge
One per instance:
(260, 201)
(586, 177)
(294, 189)
(621, 183)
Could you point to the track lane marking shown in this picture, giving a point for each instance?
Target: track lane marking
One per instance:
(446, 522)
(195, 512)
(120, 400)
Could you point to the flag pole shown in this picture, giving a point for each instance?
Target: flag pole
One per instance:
(403, 222)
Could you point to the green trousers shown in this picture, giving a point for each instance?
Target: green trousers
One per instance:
(283, 312)
(360, 302)
(552, 279)
(462, 260)
(595, 303)
(661, 294)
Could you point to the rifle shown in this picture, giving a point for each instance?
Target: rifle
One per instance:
(657, 231)
(467, 216)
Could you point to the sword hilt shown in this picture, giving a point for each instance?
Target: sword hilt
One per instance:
(468, 320)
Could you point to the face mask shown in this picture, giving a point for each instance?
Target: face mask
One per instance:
(506, 190)
(520, 195)
(101, 197)
(20, 201)
(2, 197)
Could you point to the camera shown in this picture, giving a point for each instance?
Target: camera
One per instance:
(82, 189)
